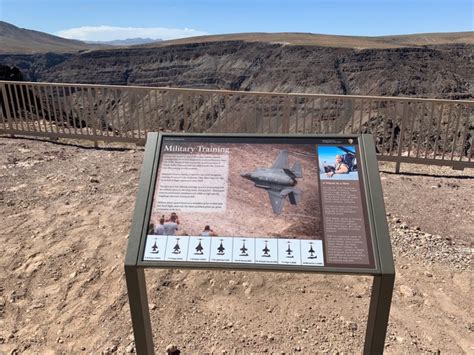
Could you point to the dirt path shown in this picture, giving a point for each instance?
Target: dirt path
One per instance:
(65, 213)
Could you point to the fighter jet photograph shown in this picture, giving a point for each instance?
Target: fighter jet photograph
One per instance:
(266, 190)
(279, 181)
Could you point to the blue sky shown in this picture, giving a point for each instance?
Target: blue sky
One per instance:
(108, 19)
(328, 153)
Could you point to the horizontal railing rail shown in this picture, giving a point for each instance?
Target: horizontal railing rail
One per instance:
(410, 130)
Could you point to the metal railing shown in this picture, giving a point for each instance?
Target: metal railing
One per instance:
(412, 130)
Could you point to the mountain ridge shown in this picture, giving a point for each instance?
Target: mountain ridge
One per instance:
(441, 71)
(20, 40)
(17, 40)
(326, 40)
(127, 41)
(434, 70)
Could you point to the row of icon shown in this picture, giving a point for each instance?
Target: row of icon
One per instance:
(237, 250)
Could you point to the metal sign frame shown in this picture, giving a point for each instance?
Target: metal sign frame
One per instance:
(383, 273)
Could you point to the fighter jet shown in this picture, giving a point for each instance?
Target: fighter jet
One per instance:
(243, 250)
(154, 248)
(279, 181)
(199, 248)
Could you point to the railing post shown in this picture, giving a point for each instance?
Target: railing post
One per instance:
(400, 138)
(186, 119)
(6, 104)
(286, 115)
(94, 115)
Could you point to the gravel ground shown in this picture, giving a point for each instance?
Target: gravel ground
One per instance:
(66, 212)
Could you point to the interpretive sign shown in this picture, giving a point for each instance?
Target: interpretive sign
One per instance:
(259, 201)
(295, 203)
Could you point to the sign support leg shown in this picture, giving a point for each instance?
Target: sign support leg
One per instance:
(137, 297)
(379, 311)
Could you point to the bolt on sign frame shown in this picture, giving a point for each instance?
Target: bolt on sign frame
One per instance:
(378, 250)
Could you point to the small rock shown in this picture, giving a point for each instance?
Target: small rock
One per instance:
(152, 306)
(130, 348)
(353, 326)
(172, 349)
(428, 274)
(406, 291)
(94, 180)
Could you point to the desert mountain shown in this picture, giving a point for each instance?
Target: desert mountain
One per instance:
(21, 40)
(127, 42)
(433, 65)
(312, 39)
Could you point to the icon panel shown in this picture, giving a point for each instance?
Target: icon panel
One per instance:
(289, 252)
(312, 252)
(199, 249)
(221, 249)
(177, 248)
(155, 247)
(244, 250)
(266, 251)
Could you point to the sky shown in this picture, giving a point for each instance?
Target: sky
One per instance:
(328, 153)
(103, 20)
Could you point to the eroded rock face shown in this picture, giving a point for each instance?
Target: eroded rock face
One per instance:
(12, 74)
(433, 71)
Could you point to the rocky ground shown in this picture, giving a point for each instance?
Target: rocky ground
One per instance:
(65, 214)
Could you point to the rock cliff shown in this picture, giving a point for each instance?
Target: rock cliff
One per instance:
(441, 71)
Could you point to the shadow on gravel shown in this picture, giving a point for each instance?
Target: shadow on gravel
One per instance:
(428, 175)
(71, 144)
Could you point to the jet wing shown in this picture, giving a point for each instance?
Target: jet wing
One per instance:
(281, 161)
(277, 200)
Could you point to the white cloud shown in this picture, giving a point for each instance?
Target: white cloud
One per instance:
(109, 33)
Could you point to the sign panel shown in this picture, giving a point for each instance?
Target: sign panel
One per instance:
(280, 203)
(252, 201)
